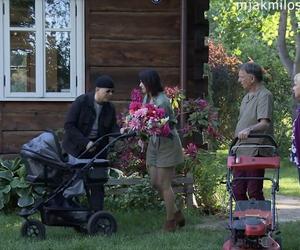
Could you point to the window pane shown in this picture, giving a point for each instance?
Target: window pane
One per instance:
(22, 13)
(22, 61)
(57, 13)
(58, 61)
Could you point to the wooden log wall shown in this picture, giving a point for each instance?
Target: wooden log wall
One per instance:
(122, 38)
(21, 121)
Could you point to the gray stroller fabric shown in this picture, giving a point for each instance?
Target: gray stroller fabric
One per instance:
(45, 145)
(76, 189)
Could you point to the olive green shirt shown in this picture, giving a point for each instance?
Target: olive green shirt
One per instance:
(255, 106)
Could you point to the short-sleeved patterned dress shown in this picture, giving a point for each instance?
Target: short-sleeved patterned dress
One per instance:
(164, 151)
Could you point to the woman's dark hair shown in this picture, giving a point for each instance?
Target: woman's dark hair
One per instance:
(253, 69)
(151, 80)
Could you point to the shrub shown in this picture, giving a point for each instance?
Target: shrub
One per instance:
(225, 89)
(14, 190)
(209, 173)
(139, 197)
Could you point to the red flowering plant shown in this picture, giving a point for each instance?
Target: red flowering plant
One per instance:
(201, 117)
(190, 154)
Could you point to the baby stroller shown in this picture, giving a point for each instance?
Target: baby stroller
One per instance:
(253, 223)
(65, 178)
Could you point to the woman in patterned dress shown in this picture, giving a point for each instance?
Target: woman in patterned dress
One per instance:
(295, 152)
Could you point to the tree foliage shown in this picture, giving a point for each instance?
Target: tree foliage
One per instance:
(253, 35)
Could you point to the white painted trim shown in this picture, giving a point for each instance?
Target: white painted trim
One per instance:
(80, 48)
(1, 52)
(73, 50)
(5, 46)
(77, 56)
(31, 99)
(40, 51)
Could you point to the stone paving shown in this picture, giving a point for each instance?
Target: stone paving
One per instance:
(288, 208)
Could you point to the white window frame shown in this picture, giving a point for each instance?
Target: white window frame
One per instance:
(77, 64)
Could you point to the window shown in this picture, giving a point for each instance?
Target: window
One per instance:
(43, 49)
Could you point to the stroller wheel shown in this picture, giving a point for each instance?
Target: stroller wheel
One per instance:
(33, 229)
(101, 223)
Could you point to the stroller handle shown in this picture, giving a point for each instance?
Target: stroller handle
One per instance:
(117, 136)
(114, 134)
(269, 137)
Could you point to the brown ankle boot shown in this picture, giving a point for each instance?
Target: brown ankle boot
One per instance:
(179, 218)
(170, 226)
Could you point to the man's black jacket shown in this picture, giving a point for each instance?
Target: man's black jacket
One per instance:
(79, 122)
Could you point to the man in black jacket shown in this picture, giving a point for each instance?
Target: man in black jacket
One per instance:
(90, 117)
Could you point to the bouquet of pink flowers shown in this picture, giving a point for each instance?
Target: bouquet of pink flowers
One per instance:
(146, 120)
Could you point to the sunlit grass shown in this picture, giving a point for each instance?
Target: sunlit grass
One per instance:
(288, 181)
(137, 230)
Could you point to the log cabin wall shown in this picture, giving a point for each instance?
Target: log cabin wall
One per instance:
(122, 37)
(21, 121)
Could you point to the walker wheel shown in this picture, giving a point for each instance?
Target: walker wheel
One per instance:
(33, 229)
(102, 223)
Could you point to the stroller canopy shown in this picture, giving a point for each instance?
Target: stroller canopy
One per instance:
(45, 145)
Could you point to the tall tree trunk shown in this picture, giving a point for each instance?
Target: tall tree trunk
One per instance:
(291, 65)
(281, 43)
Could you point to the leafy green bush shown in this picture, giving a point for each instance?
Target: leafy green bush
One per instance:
(14, 190)
(138, 197)
(209, 171)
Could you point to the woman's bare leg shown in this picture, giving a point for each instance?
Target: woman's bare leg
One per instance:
(164, 178)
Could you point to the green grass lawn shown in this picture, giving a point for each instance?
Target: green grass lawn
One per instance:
(142, 230)
(137, 230)
(288, 181)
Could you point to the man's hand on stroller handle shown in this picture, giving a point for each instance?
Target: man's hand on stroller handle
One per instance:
(90, 147)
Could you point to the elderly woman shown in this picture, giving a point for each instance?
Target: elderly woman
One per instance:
(295, 154)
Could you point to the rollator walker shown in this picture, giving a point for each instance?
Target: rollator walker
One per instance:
(253, 223)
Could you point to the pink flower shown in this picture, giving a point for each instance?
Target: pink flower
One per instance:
(172, 92)
(165, 130)
(191, 150)
(146, 119)
(211, 131)
(141, 112)
(134, 124)
(202, 103)
(133, 106)
(136, 95)
(160, 112)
